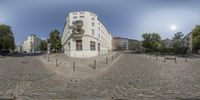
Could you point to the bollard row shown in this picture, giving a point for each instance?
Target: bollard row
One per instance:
(94, 62)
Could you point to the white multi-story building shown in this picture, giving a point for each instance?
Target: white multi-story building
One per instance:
(95, 40)
(31, 44)
(187, 41)
(120, 43)
(18, 48)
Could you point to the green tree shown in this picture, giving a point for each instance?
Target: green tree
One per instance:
(163, 48)
(177, 43)
(6, 37)
(196, 43)
(43, 45)
(55, 40)
(151, 41)
(147, 41)
(195, 38)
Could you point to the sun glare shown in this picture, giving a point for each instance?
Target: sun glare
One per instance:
(173, 27)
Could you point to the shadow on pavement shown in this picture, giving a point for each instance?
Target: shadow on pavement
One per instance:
(27, 54)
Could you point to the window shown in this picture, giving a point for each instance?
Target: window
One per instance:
(81, 12)
(74, 13)
(81, 16)
(75, 17)
(78, 45)
(92, 18)
(92, 45)
(93, 31)
(69, 46)
(99, 28)
(92, 23)
(99, 36)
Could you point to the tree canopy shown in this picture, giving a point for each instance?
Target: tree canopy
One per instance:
(6, 37)
(177, 43)
(55, 40)
(196, 38)
(43, 45)
(176, 40)
(151, 41)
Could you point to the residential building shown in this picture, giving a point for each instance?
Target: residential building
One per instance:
(187, 41)
(120, 43)
(125, 44)
(134, 45)
(95, 40)
(31, 44)
(18, 48)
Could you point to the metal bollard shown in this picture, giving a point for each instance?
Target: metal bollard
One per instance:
(175, 59)
(73, 66)
(112, 57)
(95, 63)
(56, 62)
(157, 57)
(164, 59)
(48, 58)
(150, 56)
(106, 60)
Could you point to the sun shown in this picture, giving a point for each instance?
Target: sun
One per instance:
(173, 27)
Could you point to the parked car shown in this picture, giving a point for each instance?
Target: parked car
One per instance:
(5, 52)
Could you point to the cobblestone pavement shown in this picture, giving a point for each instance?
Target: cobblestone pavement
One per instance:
(18, 73)
(82, 68)
(131, 76)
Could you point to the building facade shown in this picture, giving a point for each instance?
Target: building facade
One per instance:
(125, 44)
(120, 43)
(134, 45)
(31, 44)
(95, 40)
(187, 41)
(18, 48)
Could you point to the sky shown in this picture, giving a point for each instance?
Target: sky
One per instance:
(123, 18)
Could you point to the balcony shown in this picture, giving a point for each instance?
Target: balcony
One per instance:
(77, 29)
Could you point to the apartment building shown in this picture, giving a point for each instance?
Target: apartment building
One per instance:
(95, 40)
(31, 44)
(125, 44)
(120, 43)
(18, 48)
(187, 41)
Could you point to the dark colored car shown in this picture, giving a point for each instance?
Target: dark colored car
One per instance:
(5, 52)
